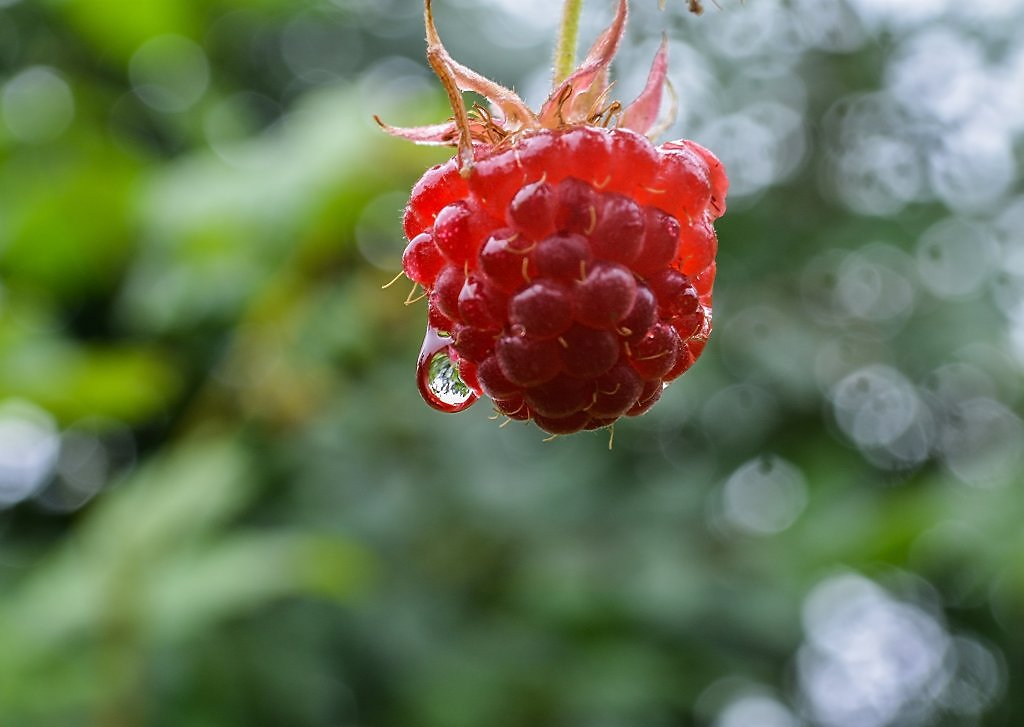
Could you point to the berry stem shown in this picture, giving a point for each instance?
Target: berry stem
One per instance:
(565, 51)
(438, 59)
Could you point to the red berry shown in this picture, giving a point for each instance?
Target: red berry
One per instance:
(684, 181)
(564, 425)
(505, 259)
(593, 423)
(514, 408)
(617, 391)
(690, 325)
(619, 233)
(560, 397)
(436, 320)
(532, 210)
(481, 304)
(684, 361)
(634, 161)
(445, 295)
(640, 317)
(605, 296)
(676, 295)
(576, 210)
(455, 232)
(648, 397)
(702, 283)
(528, 361)
(696, 346)
(588, 352)
(572, 287)
(698, 248)
(660, 242)
(541, 310)
(435, 189)
(494, 383)
(655, 354)
(716, 174)
(422, 260)
(540, 155)
(495, 180)
(563, 256)
(467, 372)
(588, 155)
(473, 344)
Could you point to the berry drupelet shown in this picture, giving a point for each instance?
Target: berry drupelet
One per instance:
(568, 265)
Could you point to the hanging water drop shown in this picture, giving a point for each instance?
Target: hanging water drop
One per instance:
(437, 374)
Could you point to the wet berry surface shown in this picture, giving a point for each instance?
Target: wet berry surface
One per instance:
(569, 277)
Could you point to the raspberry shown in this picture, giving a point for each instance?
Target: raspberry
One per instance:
(580, 303)
(568, 266)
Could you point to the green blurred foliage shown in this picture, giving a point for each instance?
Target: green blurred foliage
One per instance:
(222, 501)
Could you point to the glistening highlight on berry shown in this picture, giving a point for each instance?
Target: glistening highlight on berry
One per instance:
(567, 261)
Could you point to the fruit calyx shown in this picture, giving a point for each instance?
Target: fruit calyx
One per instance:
(581, 99)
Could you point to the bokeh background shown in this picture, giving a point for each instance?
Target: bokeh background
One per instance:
(222, 501)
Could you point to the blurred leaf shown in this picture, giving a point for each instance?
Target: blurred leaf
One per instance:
(116, 28)
(66, 218)
(245, 571)
(153, 562)
(218, 228)
(130, 384)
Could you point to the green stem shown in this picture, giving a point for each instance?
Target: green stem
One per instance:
(565, 51)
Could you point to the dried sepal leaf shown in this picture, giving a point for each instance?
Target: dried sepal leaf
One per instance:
(560, 105)
(641, 115)
(513, 109)
(582, 98)
(445, 134)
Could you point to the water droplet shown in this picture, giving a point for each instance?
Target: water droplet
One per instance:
(437, 374)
